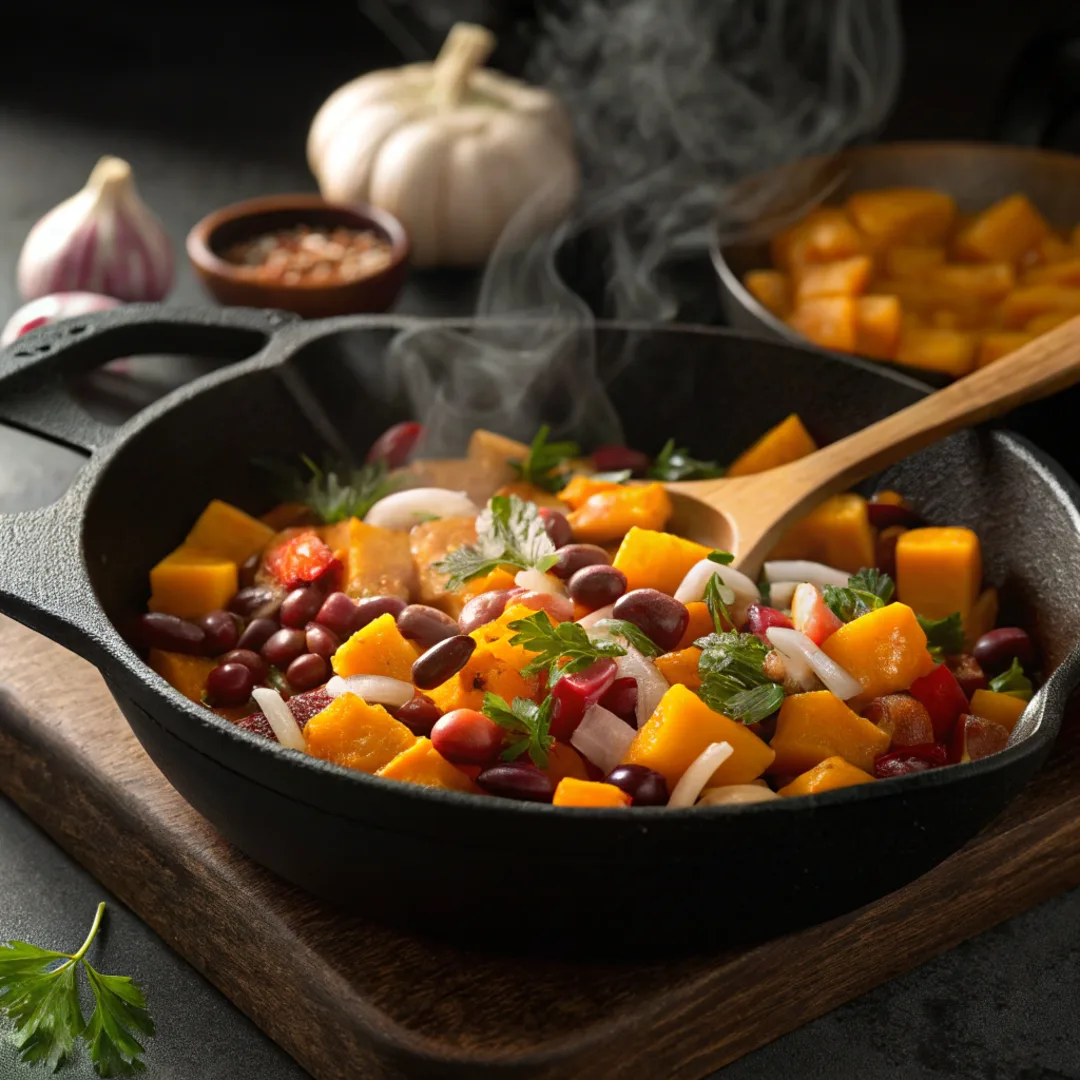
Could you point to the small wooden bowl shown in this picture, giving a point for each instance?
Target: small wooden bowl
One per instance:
(238, 286)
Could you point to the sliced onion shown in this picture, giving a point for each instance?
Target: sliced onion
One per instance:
(374, 689)
(404, 509)
(538, 581)
(737, 795)
(794, 646)
(279, 716)
(651, 685)
(781, 592)
(692, 587)
(699, 773)
(589, 621)
(801, 570)
(603, 738)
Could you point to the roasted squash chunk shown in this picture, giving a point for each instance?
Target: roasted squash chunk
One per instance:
(656, 560)
(815, 726)
(787, 441)
(190, 582)
(225, 531)
(422, 764)
(828, 775)
(352, 733)
(377, 649)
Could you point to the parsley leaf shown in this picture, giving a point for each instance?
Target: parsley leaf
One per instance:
(724, 558)
(561, 649)
(866, 591)
(1013, 682)
(633, 634)
(717, 598)
(43, 1003)
(875, 582)
(509, 532)
(944, 636)
(732, 679)
(675, 463)
(526, 718)
(545, 465)
(335, 493)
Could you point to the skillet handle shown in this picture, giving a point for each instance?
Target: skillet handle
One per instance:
(35, 367)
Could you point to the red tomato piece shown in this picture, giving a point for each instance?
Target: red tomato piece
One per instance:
(304, 558)
(811, 615)
(943, 698)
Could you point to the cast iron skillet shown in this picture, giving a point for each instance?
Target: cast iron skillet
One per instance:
(508, 873)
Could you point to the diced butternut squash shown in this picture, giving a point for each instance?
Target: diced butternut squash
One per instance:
(609, 515)
(564, 760)
(828, 321)
(1050, 249)
(229, 533)
(186, 673)
(1023, 304)
(845, 277)
(884, 649)
(582, 488)
(951, 352)
(787, 441)
(656, 560)
(985, 282)
(771, 289)
(378, 562)
(591, 793)
(1041, 324)
(912, 262)
(1065, 272)
(974, 317)
(700, 624)
(352, 733)
(377, 649)
(1000, 708)
(877, 326)
(913, 216)
(939, 570)
(983, 617)
(827, 775)
(996, 345)
(1003, 232)
(815, 726)
(422, 764)
(824, 235)
(682, 727)
(837, 533)
(681, 666)
(190, 582)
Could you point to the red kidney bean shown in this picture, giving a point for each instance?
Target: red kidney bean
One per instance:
(442, 661)
(321, 640)
(222, 629)
(597, 586)
(559, 608)
(884, 515)
(620, 698)
(969, 673)
(255, 601)
(418, 714)
(997, 649)
(482, 609)
(307, 671)
(257, 634)
(910, 759)
(517, 780)
(396, 443)
(575, 694)
(645, 786)
(556, 526)
(340, 614)
(425, 625)
(252, 660)
(371, 608)
(759, 618)
(229, 684)
(659, 616)
(284, 646)
(615, 458)
(159, 631)
(467, 737)
(572, 557)
(300, 607)
(249, 568)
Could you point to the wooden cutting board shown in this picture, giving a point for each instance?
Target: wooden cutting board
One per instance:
(351, 999)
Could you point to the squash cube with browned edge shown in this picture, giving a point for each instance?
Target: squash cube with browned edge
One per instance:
(837, 533)
(787, 441)
(377, 561)
(185, 673)
(189, 582)
(589, 793)
(828, 775)
(1003, 232)
(913, 216)
(681, 667)
(939, 570)
(656, 560)
(228, 532)
(824, 235)
(609, 515)
(818, 725)
(771, 289)
(377, 649)
(1003, 709)
(356, 735)
(422, 764)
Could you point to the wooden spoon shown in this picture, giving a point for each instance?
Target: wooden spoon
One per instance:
(746, 515)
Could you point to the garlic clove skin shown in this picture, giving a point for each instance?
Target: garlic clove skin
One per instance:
(52, 308)
(104, 239)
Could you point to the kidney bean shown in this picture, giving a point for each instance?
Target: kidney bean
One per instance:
(760, 618)
(904, 719)
(517, 780)
(249, 568)
(257, 634)
(969, 673)
(910, 759)
(252, 660)
(307, 671)
(371, 608)
(321, 640)
(597, 586)
(222, 629)
(255, 601)
(659, 616)
(396, 443)
(974, 738)
(340, 614)
(442, 661)
(615, 458)
(620, 698)
(418, 714)
(284, 646)
(572, 557)
(482, 609)
(556, 526)
(997, 649)
(425, 625)
(467, 737)
(645, 786)
(229, 684)
(157, 630)
(884, 515)
(300, 607)
(575, 694)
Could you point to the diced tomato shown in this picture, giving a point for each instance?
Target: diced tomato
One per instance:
(943, 698)
(910, 759)
(304, 558)
(759, 618)
(575, 694)
(811, 615)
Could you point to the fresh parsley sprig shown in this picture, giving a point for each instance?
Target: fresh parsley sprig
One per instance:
(633, 634)
(526, 718)
(718, 595)
(866, 591)
(509, 532)
(732, 679)
(675, 463)
(546, 464)
(334, 492)
(561, 649)
(944, 637)
(1013, 682)
(42, 1001)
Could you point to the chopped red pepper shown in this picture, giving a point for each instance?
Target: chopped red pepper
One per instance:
(910, 759)
(304, 558)
(942, 697)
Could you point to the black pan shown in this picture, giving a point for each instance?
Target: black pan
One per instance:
(508, 873)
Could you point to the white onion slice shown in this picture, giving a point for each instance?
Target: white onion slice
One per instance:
(737, 795)
(279, 716)
(795, 646)
(374, 689)
(801, 570)
(781, 593)
(590, 620)
(537, 581)
(404, 509)
(603, 738)
(693, 781)
(692, 587)
(651, 685)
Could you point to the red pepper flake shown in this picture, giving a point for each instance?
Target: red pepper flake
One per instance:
(312, 255)
(304, 558)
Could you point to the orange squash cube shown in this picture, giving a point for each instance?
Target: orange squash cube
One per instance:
(787, 441)
(939, 570)
(1023, 304)
(228, 532)
(1064, 272)
(377, 649)
(609, 515)
(837, 533)
(999, 708)
(189, 582)
(422, 764)
(771, 289)
(700, 624)
(352, 733)
(377, 561)
(186, 673)
(827, 775)
(582, 488)
(877, 326)
(984, 282)
(994, 346)
(656, 560)
(951, 352)
(681, 666)
(1050, 249)
(563, 761)
(912, 262)
(682, 727)
(824, 235)
(913, 216)
(845, 277)
(815, 726)
(590, 793)
(828, 321)
(1003, 232)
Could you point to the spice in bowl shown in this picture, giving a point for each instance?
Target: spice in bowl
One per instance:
(312, 255)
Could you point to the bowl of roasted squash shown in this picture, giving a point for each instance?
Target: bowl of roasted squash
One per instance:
(939, 257)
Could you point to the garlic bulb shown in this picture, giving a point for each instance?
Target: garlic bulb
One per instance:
(48, 309)
(452, 149)
(103, 239)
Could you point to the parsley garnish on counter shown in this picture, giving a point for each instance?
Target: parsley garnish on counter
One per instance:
(561, 648)
(524, 718)
(509, 532)
(675, 463)
(336, 493)
(546, 463)
(732, 679)
(944, 637)
(1013, 682)
(866, 591)
(42, 1001)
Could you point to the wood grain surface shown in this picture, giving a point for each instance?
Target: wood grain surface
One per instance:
(350, 999)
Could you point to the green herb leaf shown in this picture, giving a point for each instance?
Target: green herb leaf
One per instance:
(732, 679)
(546, 464)
(724, 558)
(717, 598)
(753, 706)
(675, 463)
(633, 634)
(525, 717)
(944, 636)
(1013, 682)
(560, 649)
(873, 581)
(509, 532)
(866, 591)
(334, 492)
